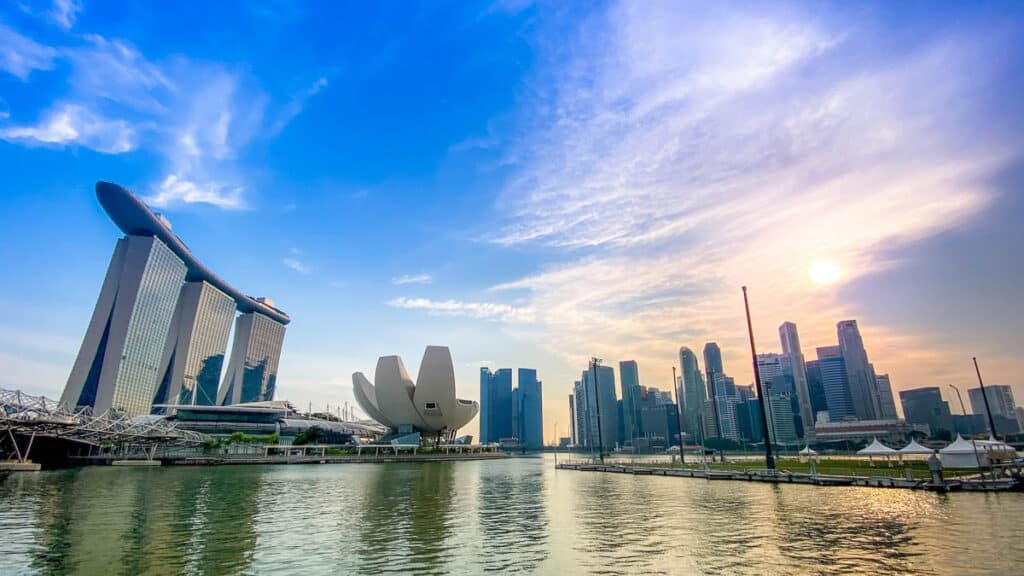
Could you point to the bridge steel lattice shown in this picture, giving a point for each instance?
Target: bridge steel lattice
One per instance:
(32, 416)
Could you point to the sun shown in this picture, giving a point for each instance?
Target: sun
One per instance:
(825, 272)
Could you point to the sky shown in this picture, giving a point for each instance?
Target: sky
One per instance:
(530, 184)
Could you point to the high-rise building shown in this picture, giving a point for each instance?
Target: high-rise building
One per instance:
(780, 418)
(860, 375)
(118, 365)
(712, 366)
(629, 383)
(531, 410)
(816, 389)
(886, 403)
(587, 409)
(158, 330)
(693, 393)
(791, 348)
(496, 407)
(834, 380)
(926, 406)
(251, 375)
(194, 353)
(1000, 402)
(572, 416)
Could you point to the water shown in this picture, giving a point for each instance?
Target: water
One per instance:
(510, 516)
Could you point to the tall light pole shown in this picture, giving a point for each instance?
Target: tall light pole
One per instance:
(964, 410)
(679, 416)
(769, 459)
(988, 411)
(594, 362)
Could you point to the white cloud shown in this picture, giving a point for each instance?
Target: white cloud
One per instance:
(72, 124)
(19, 55)
(296, 265)
(412, 279)
(173, 190)
(478, 310)
(676, 164)
(297, 103)
(64, 12)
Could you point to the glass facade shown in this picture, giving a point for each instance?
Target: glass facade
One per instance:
(832, 368)
(255, 354)
(496, 406)
(210, 329)
(150, 320)
(630, 421)
(531, 411)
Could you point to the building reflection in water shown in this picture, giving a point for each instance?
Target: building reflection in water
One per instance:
(512, 509)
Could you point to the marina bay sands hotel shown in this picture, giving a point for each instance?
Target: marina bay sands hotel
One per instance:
(160, 329)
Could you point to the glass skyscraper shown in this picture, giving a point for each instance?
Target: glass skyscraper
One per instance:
(252, 370)
(496, 407)
(153, 336)
(693, 394)
(194, 353)
(118, 363)
(531, 410)
(791, 349)
(832, 366)
(860, 374)
(629, 384)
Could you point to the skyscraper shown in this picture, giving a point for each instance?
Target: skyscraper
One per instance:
(531, 410)
(608, 416)
(629, 384)
(860, 375)
(791, 348)
(572, 416)
(693, 394)
(118, 364)
(816, 389)
(886, 403)
(194, 353)
(160, 325)
(1000, 402)
(255, 353)
(496, 405)
(834, 380)
(926, 406)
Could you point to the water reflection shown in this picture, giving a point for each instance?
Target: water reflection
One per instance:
(512, 516)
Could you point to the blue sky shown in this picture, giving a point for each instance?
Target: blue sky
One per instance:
(529, 183)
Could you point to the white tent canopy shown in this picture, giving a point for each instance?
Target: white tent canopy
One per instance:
(808, 451)
(964, 454)
(915, 448)
(876, 448)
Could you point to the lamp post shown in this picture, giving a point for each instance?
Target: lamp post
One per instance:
(594, 362)
(769, 459)
(964, 410)
(988, 411)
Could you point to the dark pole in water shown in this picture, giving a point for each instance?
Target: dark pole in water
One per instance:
(769, 459)
(988, 411)
(594, 361)
(679, 415)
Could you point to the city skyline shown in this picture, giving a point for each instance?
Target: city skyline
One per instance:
(532, 185)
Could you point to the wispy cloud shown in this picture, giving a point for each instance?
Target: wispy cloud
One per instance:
(412, 279)
(200, 117)
(73, 124)
(676, 164)
(19, 55)
(478, 310)
(297, 265)
(65, 12)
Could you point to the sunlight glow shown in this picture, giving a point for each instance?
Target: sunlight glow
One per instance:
(825, 272)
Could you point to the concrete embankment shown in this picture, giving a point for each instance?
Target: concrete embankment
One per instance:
(783, 477)
(316, 459)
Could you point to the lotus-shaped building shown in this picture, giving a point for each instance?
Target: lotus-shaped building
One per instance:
(428, 406)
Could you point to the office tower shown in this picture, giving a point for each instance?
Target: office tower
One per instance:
(835, 383)
(886, 403)
(748, 420)
(572, 416)
(816, 389)
(255, 353)
(708, 421)
(531, 411)
(496, 405)
(154, 337)
(629, 384)
(588, 407)
(515, 415)
(791, 349)
(926, 406)
(118, 363)
(1000, 402)
(582, 402)
(712, 366)
(195, 349)
(780, 417)
(860, 376)
(694, 392)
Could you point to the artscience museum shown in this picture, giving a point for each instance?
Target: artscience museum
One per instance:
(427, 406)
